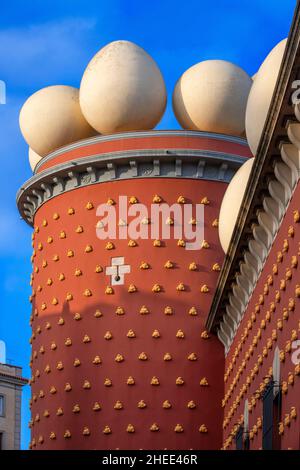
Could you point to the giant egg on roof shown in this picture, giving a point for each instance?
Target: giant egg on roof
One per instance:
(231, 203)
(261, 93)
(122, 89)
(34, 158)
(212, 96)
(51, 118)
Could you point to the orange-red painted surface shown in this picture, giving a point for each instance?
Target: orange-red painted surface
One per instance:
(153, 142)
(273, 317)
(48, 431)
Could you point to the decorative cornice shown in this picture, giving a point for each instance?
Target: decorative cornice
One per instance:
(140, 135)
(95, 169)
(271, 184)
(13, 379)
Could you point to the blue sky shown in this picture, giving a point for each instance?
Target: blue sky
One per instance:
(50, 42)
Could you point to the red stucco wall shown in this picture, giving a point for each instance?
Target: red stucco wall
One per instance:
(46, 330)
(271, 302)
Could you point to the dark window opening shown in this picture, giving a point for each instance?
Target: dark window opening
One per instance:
(271, 417)
(2, 406)
(242, 441)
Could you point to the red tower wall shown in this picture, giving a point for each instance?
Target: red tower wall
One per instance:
(272, 317)
(72, 314)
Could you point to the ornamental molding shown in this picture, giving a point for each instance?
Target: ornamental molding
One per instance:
(118, 166)
(140, 135)
(272, 182)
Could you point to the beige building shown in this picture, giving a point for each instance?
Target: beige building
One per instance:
(11, 383)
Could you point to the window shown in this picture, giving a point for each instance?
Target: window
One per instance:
(271, 417)
(242, 437)
(2, 405)
(239, 439)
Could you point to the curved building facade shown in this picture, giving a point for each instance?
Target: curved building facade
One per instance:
(120, 355)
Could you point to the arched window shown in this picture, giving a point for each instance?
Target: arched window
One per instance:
(242, 436)
(272, 408)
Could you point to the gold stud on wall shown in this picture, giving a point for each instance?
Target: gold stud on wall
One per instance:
(179, 381)
(109, 290)
(169, 265)
(191, 405)
(97, 360)
(204, 382)
(156, 199)
(144, 265)
(118, 405)
(203, 429)
(157, 243)
(119, 358)
(168, 310)
(181, 200)
(156, 288)
(89, 205)
(154, 427)
(178, 428)
(192, 357)
(166, 405)
(108, 335)
(180, 334)
(98, 314)
(76, 408)
(141, 404)
(180, 287)
(119, 311)
(98, 269)
(154, 381)
(130, 380)
(107, 382)
(132, 288)
(109, 246)
(144, 310)
(155, 334)
(130, 428)
(204, 289)
(79, 229)
(96, 406)
(106, 430)
(143, 356)
(193, 311)
(131, 334)
(86, 385)
(193, 266)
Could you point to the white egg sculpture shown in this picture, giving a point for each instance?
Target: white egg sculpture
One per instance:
(122, 89)
(231, 203)
(34, 158)
(260, 96)
(51, 118)
(212, 96)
